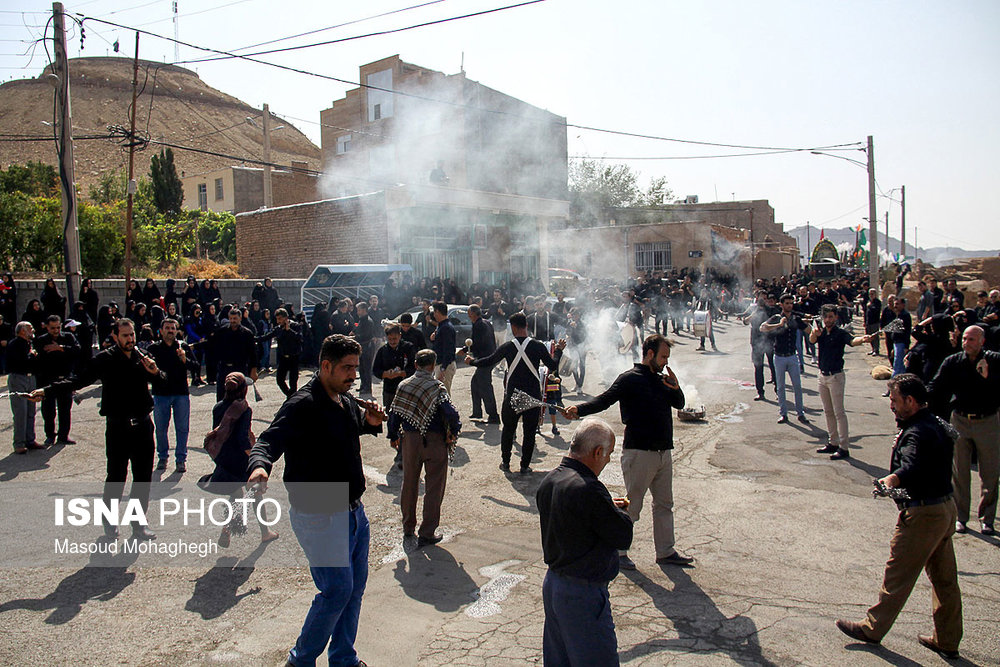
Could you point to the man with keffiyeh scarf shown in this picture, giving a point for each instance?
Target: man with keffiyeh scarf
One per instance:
(423, 424)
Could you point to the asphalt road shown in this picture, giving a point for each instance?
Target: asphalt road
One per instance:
(785, 541)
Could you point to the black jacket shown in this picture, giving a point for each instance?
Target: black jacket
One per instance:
(645, 404)
(521, 376)
(53, 365)
(125, 383)
(321, 442)
(922, 456)
(582, 530)
(484, 342)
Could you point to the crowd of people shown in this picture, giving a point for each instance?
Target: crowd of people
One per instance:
(944, 364)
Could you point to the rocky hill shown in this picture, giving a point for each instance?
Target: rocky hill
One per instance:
(175, 106)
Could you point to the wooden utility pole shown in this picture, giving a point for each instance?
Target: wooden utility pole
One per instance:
(268, 198)
(131, 169)
(67, 178)
(873, 277)
(902, 215)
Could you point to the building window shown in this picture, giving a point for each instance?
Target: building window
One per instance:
(379, 95)
(218, 189)
(479, 237)
(343, 144)
(653, 256)
(203, 196)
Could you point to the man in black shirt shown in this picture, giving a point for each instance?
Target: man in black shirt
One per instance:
(171, 394)
(364, 333)
(873, 315)
(583, 528)
(393, 362)
(761, 345)
(921, 458)
(341, 321)
(498, 312)
(57, 352)
(831, 340)
(783, 329)
(21, 380)
(523, 355)
(289, 348)
(235, 351)
(410, 333)
(125, 374)
(483, 345)
(319, 429)
(645, 395)
(968, 386)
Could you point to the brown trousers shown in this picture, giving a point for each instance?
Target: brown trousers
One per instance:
(430, 453)
(921, 541)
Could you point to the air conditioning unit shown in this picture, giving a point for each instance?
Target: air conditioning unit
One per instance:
(691, 199)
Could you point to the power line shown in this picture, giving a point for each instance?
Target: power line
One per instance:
(201, 11)
(371, 34)
(461, 105)
(339, 25)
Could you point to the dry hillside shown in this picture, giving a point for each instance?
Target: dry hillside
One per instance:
(175, 106)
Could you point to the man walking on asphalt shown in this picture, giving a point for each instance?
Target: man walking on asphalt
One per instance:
(443, 343)
(483, 345)
(783, 329)
(920, 462)
(523, 355)
(583, 528)
(318, 429)
(57, 352)
(645, 395)
(831, 341)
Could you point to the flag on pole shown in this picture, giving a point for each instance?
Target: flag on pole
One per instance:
(863, 241)
(858, 228)
(822, 233)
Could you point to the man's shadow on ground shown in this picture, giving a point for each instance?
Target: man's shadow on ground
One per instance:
(101, 580)
(215, 592)
(696, 619)
(431, 575)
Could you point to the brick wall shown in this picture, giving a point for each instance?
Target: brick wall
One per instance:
(288, 242)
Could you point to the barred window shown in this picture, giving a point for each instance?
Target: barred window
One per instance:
(653, 256)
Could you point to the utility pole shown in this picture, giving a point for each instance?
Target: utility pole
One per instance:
(887, 231)
(268, 198)
(873, 278)
(67, 178)
(902, 215)
(808, 242)
(916, 248)
(131, 169)
(177, 35)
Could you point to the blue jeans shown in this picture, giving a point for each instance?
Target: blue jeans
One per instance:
(899, 354)
(181, 407)
(799, 336)
(579, 629)
(333, 616)
(791, 365)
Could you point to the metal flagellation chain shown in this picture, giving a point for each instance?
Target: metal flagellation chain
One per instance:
(522, 402)
(894, 327)
(883, 491)
(237, 526)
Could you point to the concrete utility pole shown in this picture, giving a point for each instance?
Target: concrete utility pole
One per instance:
(131, 170)
(902, 214)
(268, 197)
(177, 35)
(887, 231)
(873, 277)
(67, 178)
(808, 242)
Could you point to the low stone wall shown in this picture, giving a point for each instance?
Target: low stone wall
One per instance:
(114, 290)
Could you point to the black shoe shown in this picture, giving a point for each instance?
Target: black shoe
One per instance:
(783, 419)
(802, 419)
(854, 631)
(987, 529)
(840, 454)
(928, 642)
(675, 559)
(161, 464)
(65, 441)
(525, 470)
(142, 533)
(829, 449)
(555, 430)
(427, 541)
(493, 420)
(50, 441)
(625, 563)
(505, 467)
(476, 417)
(35, 445)
(960, 527)
(760, 397)
(700, 349)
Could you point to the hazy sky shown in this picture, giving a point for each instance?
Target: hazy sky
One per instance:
(922, 77)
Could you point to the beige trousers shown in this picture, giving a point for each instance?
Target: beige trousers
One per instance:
(653, 472)
(831, 392)
(982, 435)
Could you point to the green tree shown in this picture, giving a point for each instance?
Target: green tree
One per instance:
(102, 238)
(34, 179)
(595, 189)
(168, 191)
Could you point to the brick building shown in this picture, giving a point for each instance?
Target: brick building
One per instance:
(463, 234)
(410, 120)
(238, 189)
